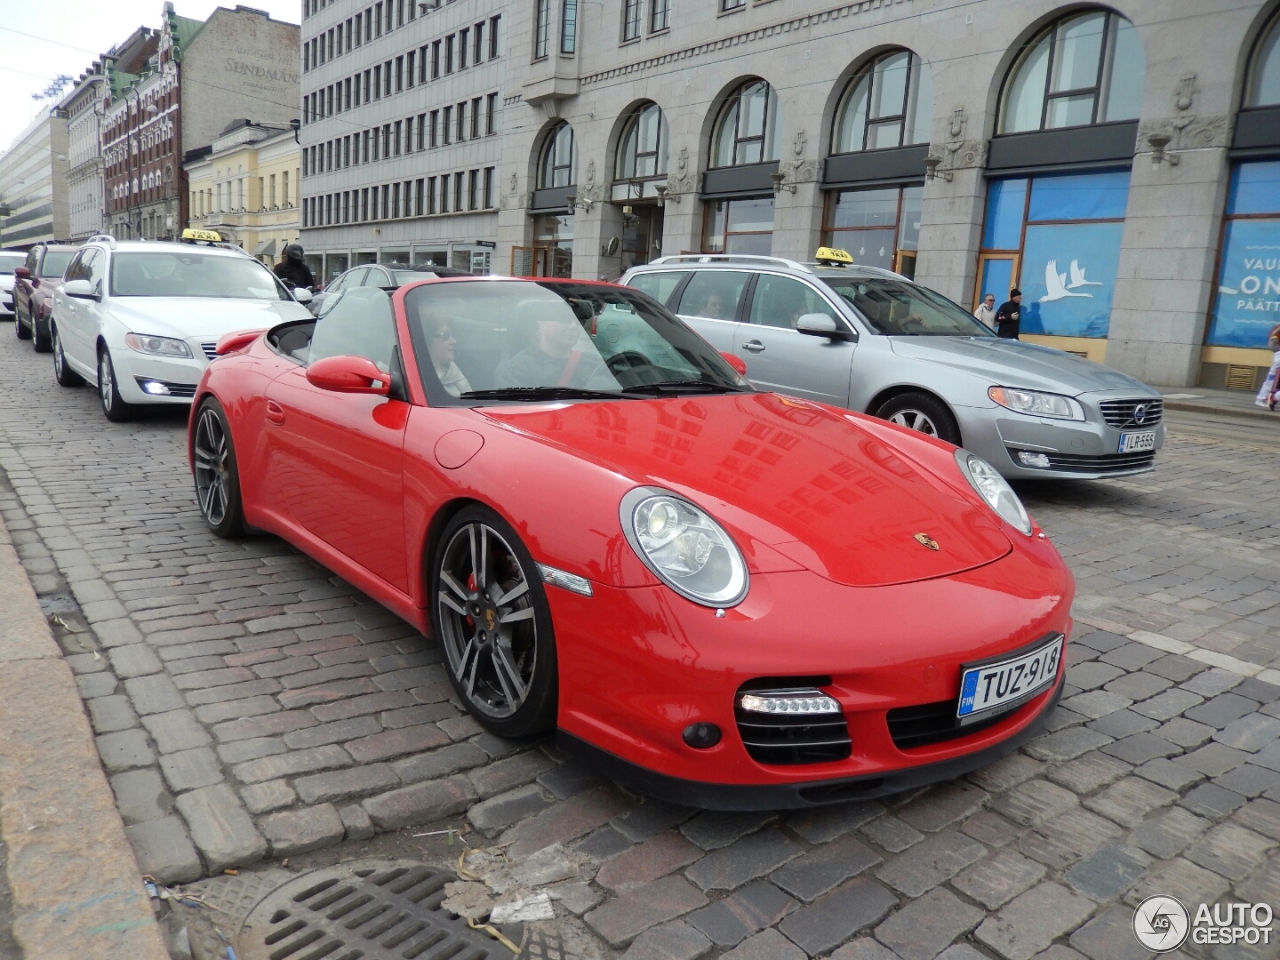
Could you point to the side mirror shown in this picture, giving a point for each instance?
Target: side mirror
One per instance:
(22, 273)
(349, 375)
(80, 289)
(820, 325)
(302, 294)
(736, 362)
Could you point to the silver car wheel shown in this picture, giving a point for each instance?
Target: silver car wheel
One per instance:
(106, 380)
(915, 420)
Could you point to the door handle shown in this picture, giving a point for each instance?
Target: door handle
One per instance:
(275, 412)
(755, 346)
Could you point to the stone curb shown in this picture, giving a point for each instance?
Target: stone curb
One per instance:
(1189, 406)
(76, 891)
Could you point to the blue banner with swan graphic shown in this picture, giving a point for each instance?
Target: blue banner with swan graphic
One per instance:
(1068, 278)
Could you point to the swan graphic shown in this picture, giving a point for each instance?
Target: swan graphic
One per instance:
(1055, 284)
(1078, 280)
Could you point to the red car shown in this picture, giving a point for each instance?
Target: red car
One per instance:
(727, 598)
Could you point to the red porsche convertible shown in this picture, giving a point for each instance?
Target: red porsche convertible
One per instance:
(727, 598)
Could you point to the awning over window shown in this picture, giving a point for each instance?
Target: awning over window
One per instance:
(265, 248)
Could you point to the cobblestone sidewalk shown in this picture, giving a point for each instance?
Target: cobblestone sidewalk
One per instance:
(250, 705)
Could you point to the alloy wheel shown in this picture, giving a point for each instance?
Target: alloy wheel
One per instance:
(489, 630)
(58, 360)
(915, 420)
(106, 380)
(211, 451)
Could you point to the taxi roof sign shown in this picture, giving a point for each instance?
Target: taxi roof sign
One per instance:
(832, 255)
(201, 236)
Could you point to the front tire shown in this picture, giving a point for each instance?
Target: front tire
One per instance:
(41, 340)
(62, 373)
(216, 473)
(19, 331)
(923, 413)
(491, 618)
(115, 407)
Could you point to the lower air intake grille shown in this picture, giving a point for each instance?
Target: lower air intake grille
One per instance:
(792, 737)
(1109, 463)
(931, 723)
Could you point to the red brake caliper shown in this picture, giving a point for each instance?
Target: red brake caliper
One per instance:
(471, 585)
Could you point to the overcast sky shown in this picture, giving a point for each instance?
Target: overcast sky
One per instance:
(75, 33)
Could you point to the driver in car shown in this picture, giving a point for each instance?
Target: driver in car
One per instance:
(560, 355)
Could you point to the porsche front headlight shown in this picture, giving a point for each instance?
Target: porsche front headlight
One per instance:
(994, 489)
(684, 547)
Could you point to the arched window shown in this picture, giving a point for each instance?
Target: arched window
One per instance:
(747, 131)
(888, 104)
(1083, 68)
(556, 167)
(1264, 80)
(642, 151)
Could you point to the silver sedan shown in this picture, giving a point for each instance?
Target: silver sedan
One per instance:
(870, 340)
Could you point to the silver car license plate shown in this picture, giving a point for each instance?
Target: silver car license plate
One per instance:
(1137, 442)
(1006, 682)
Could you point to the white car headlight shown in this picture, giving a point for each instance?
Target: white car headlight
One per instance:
(994, 489)
(684, 547)
(157, 346)
(1037, 404)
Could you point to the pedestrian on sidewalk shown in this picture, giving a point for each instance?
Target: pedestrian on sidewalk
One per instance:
(986, 312)
(1267, 395)
(1009, 315)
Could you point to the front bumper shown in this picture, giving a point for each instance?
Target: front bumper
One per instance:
(1074, 449)
(179, 376)
(637, 666)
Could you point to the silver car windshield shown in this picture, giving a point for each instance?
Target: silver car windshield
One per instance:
(190, 273)
(899, 308)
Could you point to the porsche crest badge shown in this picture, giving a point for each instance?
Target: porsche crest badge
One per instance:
(926, 541)
(491, 616)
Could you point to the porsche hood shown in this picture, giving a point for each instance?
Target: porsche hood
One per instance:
(808, 481)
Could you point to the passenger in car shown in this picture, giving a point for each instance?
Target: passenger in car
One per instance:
(560, 355)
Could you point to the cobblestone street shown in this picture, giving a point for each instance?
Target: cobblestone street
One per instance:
(248, 705)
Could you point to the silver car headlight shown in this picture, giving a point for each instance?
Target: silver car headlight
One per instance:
(157, 346)
(1037, 404)
(993, 488)
(684, 547)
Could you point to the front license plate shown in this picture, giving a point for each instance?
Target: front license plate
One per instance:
(1137, 442)
(1007, 682)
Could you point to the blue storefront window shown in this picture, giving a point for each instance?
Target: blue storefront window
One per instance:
(1067, 234)
(1247, 301)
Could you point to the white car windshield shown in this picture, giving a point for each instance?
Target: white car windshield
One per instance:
(9, 261)
(192, 273)
(900, 308)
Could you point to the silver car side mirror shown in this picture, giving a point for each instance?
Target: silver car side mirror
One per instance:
(821, 325)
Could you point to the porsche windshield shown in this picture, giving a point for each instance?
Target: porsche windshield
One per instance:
(187, 272)
(900, 308)
(495, 340)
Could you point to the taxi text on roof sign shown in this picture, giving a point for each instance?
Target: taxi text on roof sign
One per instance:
(832, 255)
(205, 236)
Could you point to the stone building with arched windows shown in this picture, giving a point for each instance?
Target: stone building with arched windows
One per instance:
(1119, 162)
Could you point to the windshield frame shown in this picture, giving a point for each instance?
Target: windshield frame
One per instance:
(190, 250)
(975, 327)
(410, 300)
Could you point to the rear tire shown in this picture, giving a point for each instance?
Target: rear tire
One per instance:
(115, 407)
(19, 331)
(923, 413)
(41, 341)
(217, 475)
(63, 374)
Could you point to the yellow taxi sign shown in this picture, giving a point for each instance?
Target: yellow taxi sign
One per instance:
(204, 236)
(832, 255)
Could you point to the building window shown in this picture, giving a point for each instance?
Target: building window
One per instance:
(399, 74)
(488, 187)
(1264, 80)
(386, 79)
(747, 130)
(568, 26)
(448, 125)
(462, 121)
(473, 190)
(444, 193)
(478, 53)
(464, 46)
(727, 5)
(490, 116)
(631, 14)
(643, 150)
(739, 226)
(422, 123)
(659, 15)
(493, 35)
(475, 117)
(449, 42)
(1057, 238)
(542, 28)
(431, 195)
(435, 128)
(377, 83)
(556, 166)
(1248, 290)
(397, 137)
(1084, 68)
(435, 60)
(888, 104)
(457, 193)
(417, 198)
(879, 226)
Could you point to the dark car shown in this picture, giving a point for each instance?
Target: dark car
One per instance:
(387, 276)
(36, 280)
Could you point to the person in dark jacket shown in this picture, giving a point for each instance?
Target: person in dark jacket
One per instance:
(1008, 315)
(293, 270)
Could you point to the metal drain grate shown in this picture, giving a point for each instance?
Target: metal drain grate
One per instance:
(365, 911)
